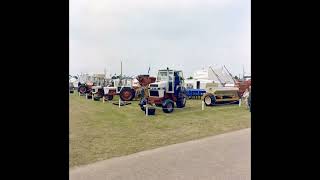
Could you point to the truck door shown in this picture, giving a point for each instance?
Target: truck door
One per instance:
(170, 82)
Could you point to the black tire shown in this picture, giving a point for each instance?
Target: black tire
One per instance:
(82, 89)
(168, 106)
(181, 102)
(142, 103)
(100, 93)
(127, 94)
(89, 91)
(109, 97)
(235, 102)
(209, 100)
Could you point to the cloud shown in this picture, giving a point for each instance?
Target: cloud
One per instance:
(185, 34)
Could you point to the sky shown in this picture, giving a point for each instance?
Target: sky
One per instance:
(186, 35)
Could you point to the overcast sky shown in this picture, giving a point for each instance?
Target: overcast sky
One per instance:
(181, 34)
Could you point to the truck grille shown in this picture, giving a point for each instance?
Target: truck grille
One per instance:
(154, 93)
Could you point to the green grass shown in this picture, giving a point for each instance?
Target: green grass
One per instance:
(100, 131)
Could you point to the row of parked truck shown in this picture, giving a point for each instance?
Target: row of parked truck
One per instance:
(167, 90)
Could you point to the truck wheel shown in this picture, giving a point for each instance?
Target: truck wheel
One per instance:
(209, 100)
(181, 102)
(82, 89)
(142, 103)
(127, 94)
(168, 106)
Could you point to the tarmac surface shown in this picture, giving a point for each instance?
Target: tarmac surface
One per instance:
(225, 156)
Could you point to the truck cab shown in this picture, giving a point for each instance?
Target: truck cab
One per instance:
(168, 81)
(168, 88)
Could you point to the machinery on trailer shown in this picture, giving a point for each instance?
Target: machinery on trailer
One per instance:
(99, 81)
(85, 88)
(144, 81)
(166, 91)
(243, 86)
(84, 84)
(219, 93)
(72, 81)
(195, 93)
(122, 87)
(125, 87)
(71, 87)
(90, 84)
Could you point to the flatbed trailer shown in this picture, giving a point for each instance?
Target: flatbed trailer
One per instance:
(195, 93)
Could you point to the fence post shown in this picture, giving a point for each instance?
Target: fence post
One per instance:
(103, 99)
(86, 96)
(202, 105)
(240, 102)
(146, 110)
(92, 97)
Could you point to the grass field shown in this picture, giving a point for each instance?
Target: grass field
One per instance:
(100, 131)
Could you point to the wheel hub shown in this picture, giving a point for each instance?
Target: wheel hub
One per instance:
(126, 95)
(207, 100)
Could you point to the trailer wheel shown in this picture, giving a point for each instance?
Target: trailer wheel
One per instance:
(127, 94)
(209, 100)
(168, 106)
(181, 102)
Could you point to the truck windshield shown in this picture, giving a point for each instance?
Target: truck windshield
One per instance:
(162, 76)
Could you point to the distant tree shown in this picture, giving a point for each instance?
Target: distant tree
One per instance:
(190, 77)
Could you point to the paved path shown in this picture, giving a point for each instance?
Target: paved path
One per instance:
(226, 156)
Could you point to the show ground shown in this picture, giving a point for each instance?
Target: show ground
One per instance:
(99, 131)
